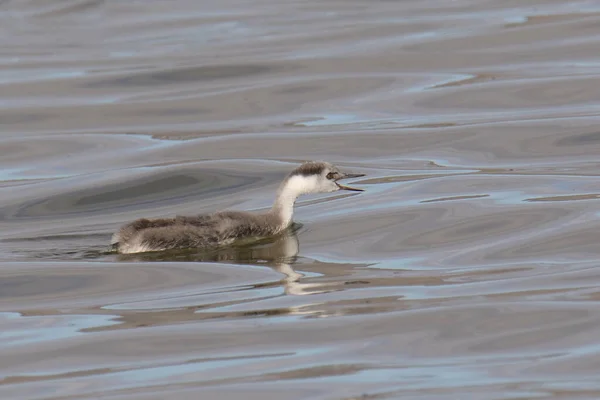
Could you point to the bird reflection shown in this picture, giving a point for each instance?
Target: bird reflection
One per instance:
(279, 252)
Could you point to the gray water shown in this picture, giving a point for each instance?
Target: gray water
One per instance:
(468, 269)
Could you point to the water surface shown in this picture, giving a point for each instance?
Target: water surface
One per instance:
(468, 269)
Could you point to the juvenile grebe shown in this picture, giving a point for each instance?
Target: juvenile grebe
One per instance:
(223, 228)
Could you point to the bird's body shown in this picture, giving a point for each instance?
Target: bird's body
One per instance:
(224, 228)
(218, 229)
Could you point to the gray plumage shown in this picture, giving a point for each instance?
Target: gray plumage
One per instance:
(310, 168)
(223, 228)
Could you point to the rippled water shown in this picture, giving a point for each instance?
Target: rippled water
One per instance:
(468, 269)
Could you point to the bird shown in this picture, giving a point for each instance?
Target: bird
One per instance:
(226, 227)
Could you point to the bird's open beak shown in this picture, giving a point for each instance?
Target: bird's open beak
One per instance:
(347, 176)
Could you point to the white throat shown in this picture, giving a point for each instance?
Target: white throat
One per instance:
(288, 193)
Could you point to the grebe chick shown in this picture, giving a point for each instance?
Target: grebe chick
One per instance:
(223, 228)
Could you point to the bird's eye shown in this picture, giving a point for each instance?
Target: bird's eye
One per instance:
(331, 175)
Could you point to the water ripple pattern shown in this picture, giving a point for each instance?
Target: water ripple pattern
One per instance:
(468, 269)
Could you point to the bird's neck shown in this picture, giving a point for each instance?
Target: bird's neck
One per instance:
(283, 208)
